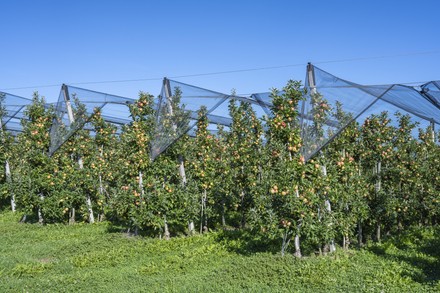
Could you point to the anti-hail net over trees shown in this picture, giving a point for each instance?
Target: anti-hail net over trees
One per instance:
(76, 106)
(332, 103)
(177, 107)
(329, 105)
(12, 111)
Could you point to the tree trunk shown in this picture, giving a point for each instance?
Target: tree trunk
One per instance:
(191, 229)
(202, 211)
(101, 192)
(286, 241)
(297, 247)
(297, 241)
(89, 208)
(141, 183)
(378, 184)
(9, 181)
(243, 211)
(88, 199)
(378, 232)
(378, 187)
(72, 216)
(182, 170)
(360, 235)
(328, 207)
(101, 186)
(346, 242)
(205, 226)
(223, 216)
(40, 212)
(166, 235)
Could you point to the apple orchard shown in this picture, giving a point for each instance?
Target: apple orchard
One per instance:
(375, 178)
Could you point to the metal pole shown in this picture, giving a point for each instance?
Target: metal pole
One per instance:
(313, 91)
(68, 104)
(311, 78)
(167, 90)
(80, 160)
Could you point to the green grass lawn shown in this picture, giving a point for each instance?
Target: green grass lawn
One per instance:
(92, 258)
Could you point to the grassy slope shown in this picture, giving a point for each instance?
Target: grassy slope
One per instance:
(88, 258)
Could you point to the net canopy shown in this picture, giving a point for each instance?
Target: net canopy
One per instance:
(329, 105)
(76, 106)
(12, 111)
(177, 111)
(332, 103)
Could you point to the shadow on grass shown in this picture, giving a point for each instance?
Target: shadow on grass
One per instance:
(419, 248)
(247, 242)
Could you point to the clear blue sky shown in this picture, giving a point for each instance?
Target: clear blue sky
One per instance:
(50, 42)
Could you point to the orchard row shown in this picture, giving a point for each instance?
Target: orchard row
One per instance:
(375, 178)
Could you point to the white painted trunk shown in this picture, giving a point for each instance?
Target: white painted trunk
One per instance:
(297, 246)
(40, 213)
(90, 210)
(202, 211)
(378, 170)
(101, 186)
(332, 246)
(182, 170)
(9, 180)
(296, 240)
(13, 203)
(166, 235)
(141, 183)
(191, 228)
(72, 216)
(80, 163)
(88, 199)
(328, 207)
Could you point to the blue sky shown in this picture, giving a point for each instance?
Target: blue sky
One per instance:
(50, 42)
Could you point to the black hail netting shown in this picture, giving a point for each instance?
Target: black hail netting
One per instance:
(12, 111)
(75, 107)
(177, 110)
(332, 103)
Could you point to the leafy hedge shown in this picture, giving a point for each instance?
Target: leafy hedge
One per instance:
(374, 179)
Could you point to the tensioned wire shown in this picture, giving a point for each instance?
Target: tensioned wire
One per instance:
(239, 70)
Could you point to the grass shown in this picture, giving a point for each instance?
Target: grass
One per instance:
(91, 258)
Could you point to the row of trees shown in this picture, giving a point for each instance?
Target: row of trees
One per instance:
(375, 178)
